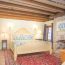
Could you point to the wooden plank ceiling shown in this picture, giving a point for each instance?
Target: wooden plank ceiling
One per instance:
(38, 10)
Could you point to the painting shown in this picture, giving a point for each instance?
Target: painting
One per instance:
(61, 26)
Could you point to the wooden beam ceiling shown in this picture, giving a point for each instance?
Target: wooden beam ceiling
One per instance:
(22, 17)
(51, 5)
(46, 5)
(24, 6)
(18, 12)
(31, 9)
(34, 4)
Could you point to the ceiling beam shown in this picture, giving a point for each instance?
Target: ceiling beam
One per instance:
(23, 17)
(41, 5)
(32, 4)
(44, 4)
(21, 7)
(21, 12)
(49, 5)
(18, 5)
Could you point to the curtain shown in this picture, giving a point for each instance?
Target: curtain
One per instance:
(52, 36)
(44, 35)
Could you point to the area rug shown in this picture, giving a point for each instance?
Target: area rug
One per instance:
(31, 59)
(38, 59)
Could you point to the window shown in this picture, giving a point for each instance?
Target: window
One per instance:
(49, 33)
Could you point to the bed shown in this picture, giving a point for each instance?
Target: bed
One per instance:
(24, 43)
(31, 46)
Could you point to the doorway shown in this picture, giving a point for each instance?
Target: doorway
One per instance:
(48, 34)
(4, 44)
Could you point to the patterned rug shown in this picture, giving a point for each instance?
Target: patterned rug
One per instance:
(6, 58)
(38, 59)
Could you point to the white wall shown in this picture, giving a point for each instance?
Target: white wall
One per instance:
(58, 32)
(8, 27)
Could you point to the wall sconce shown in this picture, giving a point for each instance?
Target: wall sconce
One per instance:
(10, 25)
